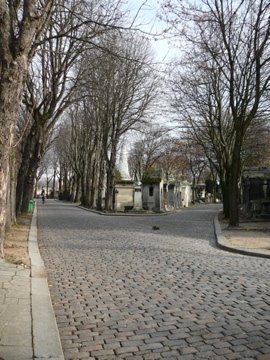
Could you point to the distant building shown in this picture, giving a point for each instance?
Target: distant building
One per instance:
(152, 193)
(159, 195)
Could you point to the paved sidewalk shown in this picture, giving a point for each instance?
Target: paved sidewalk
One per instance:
(15, 313)
(250, 238)
(27, 322)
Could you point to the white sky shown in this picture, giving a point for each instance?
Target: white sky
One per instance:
(148, 21)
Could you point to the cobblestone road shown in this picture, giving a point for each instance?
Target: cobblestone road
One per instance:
(124, 291)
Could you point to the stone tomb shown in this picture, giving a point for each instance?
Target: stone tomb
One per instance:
(137, 199)
(256, 192)
(152, 191)
(124, 195)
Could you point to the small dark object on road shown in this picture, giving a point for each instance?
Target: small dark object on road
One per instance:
(155, 227)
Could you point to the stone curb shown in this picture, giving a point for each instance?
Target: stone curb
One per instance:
(46, 339)
(221, 243)
(126, 214)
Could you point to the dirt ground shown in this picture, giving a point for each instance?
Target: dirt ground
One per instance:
(248, 239)
(251, 234)
(16, 242)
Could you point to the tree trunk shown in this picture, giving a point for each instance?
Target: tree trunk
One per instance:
(4, 175)
(234, 206)
(233, 187)
(21, 178)
(11, 194)
(110, 179)
(29, 179)
(100, 187)
(83, 190)
(32, 153)
(93, 182)
(29, 185)
(225, 197)
(47, 187)
(65, 193)
(60, 183)
(109, 195)
(193, 189)
(78, 190)
(53, 185)
(11, 86)
(87, 190)
(36, 186)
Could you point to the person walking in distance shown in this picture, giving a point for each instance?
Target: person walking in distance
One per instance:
(43, 196)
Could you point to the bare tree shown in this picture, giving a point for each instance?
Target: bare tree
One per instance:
(53, 79)
(48, 93)
(146, 152)
(40, 173)
(86, 148)
(225, 85)
(123, 88)
(21, 24)
(63, 151)
(196, 160)
(256, 146)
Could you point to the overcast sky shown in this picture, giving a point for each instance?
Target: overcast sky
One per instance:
(148, 21)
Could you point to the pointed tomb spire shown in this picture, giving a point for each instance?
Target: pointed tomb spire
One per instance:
(123, 163)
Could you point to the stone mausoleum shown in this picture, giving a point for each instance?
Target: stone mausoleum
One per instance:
(152, 193)
(256, 192)
(161, 195)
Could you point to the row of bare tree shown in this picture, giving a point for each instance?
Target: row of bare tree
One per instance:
(180, 160)
(153, 148)
(222, 84)
(116, 92)
(75, 61)
(57, 55)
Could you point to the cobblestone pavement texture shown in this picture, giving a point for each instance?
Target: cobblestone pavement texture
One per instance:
(122, 290)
